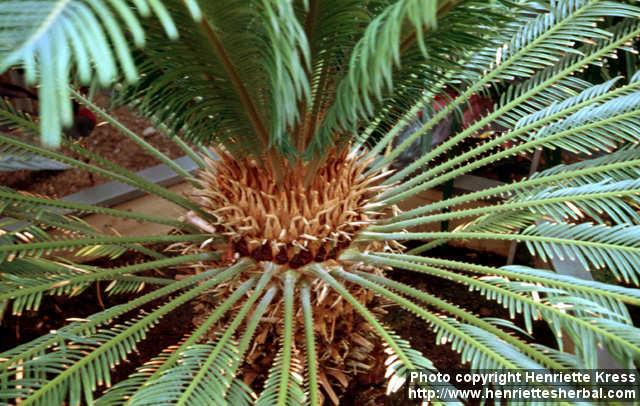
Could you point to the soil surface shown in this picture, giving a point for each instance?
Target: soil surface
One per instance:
(105, 141)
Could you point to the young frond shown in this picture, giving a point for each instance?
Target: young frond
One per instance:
(372, 62)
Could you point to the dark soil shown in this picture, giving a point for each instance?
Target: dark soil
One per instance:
(108, 143)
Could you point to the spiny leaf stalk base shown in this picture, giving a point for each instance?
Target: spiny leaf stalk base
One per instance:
(285, 220)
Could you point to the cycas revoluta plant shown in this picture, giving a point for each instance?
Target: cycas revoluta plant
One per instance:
(293, 218)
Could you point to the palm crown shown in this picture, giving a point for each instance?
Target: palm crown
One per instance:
(294, 216)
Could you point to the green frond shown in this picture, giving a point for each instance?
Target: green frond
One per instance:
(402, 55)
(136, 138)
(247, 336)
(402, 357)
(81, 382)
(588, 134)
(294, 394)
(207, 384)
(49, 38)
(129, 284)
(485, 324)
(538, 43)
(133, 178)
(108, 246)
(148, 382)
(615, 248)
(611, 203)
(12, 145)
(616, 202)
(25, 281)
(42, 220)
(568, 360)
(90, 366)
(522, 116)
(77, 328)
(38, 207)
(454, 72)
(284, 383)
(622, 165)
(464, 29)
(371, 65)
(588, 331)
(607, 324)
(289, 58)
(237, 79)
(310, 345)
(618, 165)
(267, 81)
(36, 220)
(120, 392)
(559, 102)
(612, 247)
(173, 381)
(482, 352)
(553, 76)
(604, 294)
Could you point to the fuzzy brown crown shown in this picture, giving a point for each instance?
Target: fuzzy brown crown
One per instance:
(282, 219)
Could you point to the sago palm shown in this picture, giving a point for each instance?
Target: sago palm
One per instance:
(291, 235)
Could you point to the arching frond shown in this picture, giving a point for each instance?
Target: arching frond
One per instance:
(136, 138)
(108, 246)
(613, 247)
(238, 78)
(25, 281)
(538, 43)
(49, 38)
(284, 384)
(370, 71)
(155, 372)
(590, 331)
(553, 76)
(487, 325)
(79, 368)
(207, 384)
(38, 206)
(606, 295)
(616, 201)
(416, 60)
(77, 328)
(483, 351)
(310, 346)
(12, 145)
